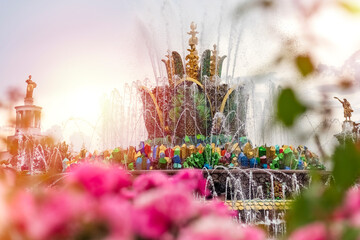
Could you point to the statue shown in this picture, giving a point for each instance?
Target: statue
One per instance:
(193, 40)
(350, 129)
(30, 87)
(347, 108)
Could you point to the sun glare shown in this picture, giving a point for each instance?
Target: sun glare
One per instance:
(80, 104)
(85, 104)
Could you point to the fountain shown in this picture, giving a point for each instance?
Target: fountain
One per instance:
(193, 121)
(196, 110)
(29, 148)
(28, 119)
(197, 121)
(194, 102)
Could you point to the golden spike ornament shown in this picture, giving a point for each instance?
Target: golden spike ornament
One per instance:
(214, 59)
(192, 64)
(192, 67)
(170, 68)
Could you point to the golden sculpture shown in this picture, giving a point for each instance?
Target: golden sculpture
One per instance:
(30, 87)
(192, 67)
(347, 108)
(170, 68)
(214, 59)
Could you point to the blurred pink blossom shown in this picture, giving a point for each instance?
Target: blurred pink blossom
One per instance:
(313, 231)
(350, 210)
(191, 179)
(219, 228)
(103, 202)
(47, 214)
(149, 181)
(99, 180)
(216, 207)
(158, 210)
(117, 213)
(352, 206)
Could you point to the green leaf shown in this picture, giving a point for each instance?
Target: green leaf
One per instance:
(346, 165)
(220, 63)
(331, 198)
(205, 63)
(179, 68)
(289, 107)
(304, 209)
(304, 65)
(350, 7)
(187, 139)
(350, 233)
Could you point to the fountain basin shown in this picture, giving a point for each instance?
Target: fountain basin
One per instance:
(259, 205)
(249, 184)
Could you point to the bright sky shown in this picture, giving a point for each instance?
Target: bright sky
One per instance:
(77, 51)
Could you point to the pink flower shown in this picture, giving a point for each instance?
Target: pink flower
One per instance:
(189, 180)
(253, 233)
(150, 223)
(99, 180)
(351, 208)
(159, 210)
(8, 177)
(192, 180)
(64, 215)
(102, 202)
(217, 228)
(313, 231)
(48, 214)
(22, 209)
(217, 208)
(117, 214)
(352, 201)
(149, 181)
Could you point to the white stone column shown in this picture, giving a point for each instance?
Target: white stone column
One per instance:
(18, 119)
(37, 119)
(21, 119)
